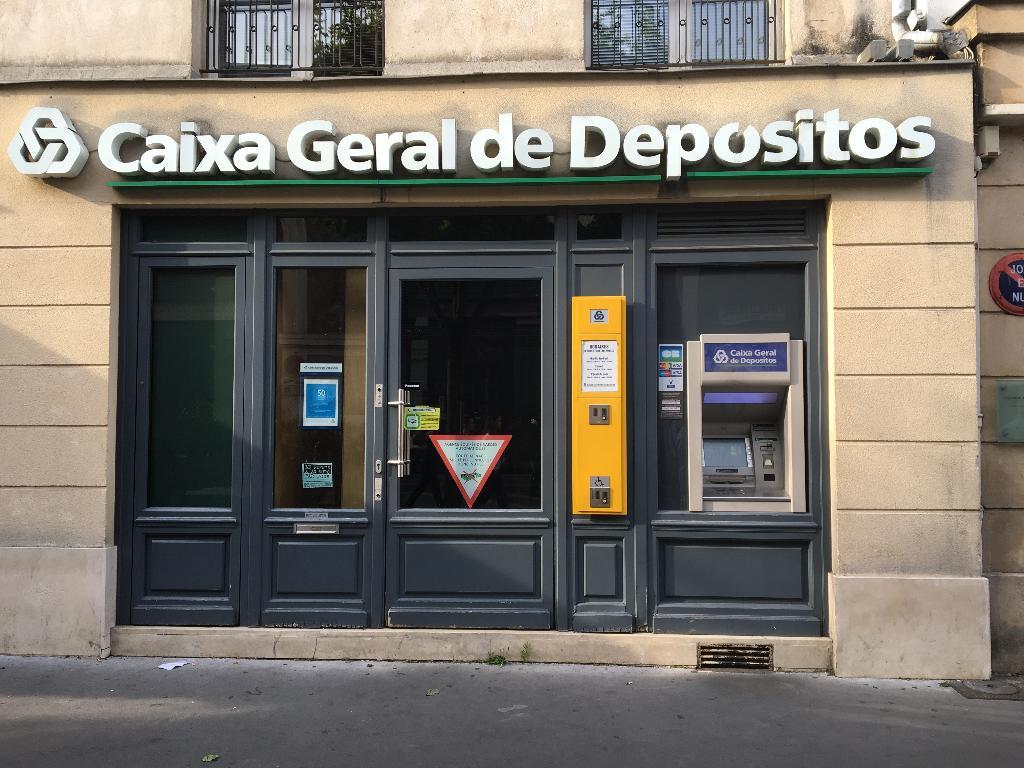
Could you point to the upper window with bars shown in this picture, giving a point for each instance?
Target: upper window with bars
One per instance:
(627, 34)
(280, 37)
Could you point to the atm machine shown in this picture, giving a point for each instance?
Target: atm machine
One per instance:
(745, 423)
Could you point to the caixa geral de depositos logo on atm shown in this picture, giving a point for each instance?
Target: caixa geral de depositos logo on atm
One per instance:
(47, 145)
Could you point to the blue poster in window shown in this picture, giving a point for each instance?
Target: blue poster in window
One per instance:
(757, 356)
(320, 403)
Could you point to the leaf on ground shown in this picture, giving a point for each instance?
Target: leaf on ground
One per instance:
(432, 691)
(209, 757)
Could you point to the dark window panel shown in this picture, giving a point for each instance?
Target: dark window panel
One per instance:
(599, 226)
(483, 226)
(321, 318)
(194, 229)
(321, 229)
(192, 388)
(718, 299)
(473, 349)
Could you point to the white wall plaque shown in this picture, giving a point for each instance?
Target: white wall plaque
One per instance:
(599, 368)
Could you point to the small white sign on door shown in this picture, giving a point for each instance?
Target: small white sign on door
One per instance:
(599, 366)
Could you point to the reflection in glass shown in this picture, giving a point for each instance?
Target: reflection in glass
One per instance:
(472, 226)
(719, 299)
(321, 229)
(321, 319)
(192, 390)
(192, 228)
(473, 348)
(599, 226)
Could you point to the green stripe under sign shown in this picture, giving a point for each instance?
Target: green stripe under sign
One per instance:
(520, 180)
(805, 173)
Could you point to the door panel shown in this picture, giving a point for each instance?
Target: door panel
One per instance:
(470, 523)
(314, 581)
(325, 567)
(187, 503)
(447, 565)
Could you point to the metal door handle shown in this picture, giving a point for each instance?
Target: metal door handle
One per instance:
(402, 462)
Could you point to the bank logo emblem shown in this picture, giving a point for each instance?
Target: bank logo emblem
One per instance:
(47, 145)
(721, 357)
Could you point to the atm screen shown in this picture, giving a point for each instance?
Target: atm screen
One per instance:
(725, 452)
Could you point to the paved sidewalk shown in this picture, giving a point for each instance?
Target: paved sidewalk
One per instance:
(126, 713)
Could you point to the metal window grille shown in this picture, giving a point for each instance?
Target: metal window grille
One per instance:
(629, 33)
(254, 35)
(278, 37)
(722, 31)
(656, 33)
(348, 36)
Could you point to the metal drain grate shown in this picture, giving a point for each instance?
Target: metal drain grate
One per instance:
(734, 657)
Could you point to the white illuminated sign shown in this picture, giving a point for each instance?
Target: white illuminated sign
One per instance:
(48, 145)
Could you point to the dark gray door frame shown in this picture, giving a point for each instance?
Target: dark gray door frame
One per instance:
(606, 554)
(463, 263)
(737, 617)
(357, 524)
(144, 518)
(638, 252)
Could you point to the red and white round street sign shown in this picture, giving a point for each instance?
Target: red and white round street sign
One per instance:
(1006, 283)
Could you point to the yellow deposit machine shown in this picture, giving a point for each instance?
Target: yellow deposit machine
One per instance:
(599, 405)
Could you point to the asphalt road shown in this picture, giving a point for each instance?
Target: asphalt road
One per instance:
(126, 713)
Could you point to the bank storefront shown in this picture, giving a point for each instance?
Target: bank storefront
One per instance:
(547, 353)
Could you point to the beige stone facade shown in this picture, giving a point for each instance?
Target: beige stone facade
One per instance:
(424, 37)
(996, 31)
(908, 584)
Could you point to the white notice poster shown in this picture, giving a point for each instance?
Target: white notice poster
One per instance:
(599, 366)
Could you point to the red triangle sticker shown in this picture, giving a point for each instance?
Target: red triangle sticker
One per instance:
(470, 459)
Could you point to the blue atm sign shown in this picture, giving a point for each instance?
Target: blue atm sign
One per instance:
(730, 357)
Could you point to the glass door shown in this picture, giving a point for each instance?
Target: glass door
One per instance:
(315, 533)
(469, 475)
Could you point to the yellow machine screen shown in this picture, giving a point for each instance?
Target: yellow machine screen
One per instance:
(599, 405)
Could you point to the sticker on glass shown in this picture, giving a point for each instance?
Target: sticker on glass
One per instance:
(670, 367)
(320, 402)
(308, 368)
(317, 474)
(599, 366)
(422, 418)
(470, 459)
